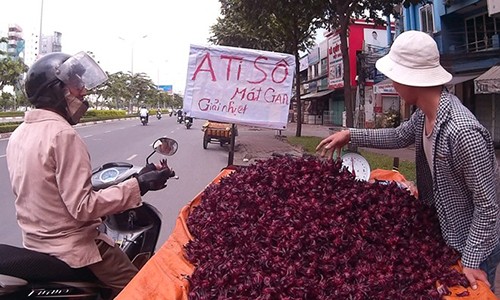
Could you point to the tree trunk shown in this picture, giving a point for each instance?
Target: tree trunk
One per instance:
(344, 48)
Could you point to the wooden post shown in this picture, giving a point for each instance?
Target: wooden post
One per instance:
(395, 164)
(230, 160)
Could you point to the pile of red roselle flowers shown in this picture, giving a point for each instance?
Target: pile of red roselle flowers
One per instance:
(303, 228)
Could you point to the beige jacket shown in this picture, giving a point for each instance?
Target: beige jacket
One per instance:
(57, 210)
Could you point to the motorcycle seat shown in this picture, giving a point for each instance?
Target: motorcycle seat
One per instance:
(34, 266)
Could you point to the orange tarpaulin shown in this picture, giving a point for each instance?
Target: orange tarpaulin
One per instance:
(163, 276)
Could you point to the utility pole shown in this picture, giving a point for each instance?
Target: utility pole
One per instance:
(360, 107)
(40, 33)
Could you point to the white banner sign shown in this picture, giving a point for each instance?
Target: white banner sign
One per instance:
(335, 63)
(241, 86)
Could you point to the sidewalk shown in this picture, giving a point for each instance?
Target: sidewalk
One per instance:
(257, 143)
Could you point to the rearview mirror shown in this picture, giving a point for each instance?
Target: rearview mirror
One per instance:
(165, 146)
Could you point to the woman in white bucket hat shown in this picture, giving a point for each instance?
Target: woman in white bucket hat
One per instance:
(456, 168)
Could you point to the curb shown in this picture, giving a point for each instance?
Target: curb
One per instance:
(7, 134)
(11, 118)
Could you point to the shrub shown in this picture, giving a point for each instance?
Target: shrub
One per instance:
(388, 119)
(90, 116)
(105, 113)
(8, 127)
(5, 114)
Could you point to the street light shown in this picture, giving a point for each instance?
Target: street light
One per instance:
(132, 51)
(158, 65)
(158, 76)
(132, 62)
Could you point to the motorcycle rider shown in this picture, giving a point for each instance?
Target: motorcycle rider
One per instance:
(50, 171)
(144, 112)
(179, 115)
(158, 113)
(187, 118)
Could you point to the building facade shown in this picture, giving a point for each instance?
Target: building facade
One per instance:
(50, 43)
(468, 36)
(322, 73)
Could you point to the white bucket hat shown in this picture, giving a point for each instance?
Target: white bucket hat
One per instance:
(414, 60)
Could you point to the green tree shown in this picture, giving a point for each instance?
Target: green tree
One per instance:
(3, 40)
(142, 88)
(21, 98)
(6, 100)
(232, 30)
(112, 90)
(280, 25)
(163, 99)
(124, 90)
(11, 71)
(176, 100)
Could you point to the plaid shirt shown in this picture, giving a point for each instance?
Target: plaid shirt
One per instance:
(464, 186)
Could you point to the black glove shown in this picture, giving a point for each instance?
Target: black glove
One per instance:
(148, 168)
(153, 180)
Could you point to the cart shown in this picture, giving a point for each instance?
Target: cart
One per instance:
(164, 277)
(216, 132)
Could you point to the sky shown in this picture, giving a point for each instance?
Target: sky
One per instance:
(113, 30)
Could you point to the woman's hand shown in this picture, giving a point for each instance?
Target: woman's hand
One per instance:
(334, 143)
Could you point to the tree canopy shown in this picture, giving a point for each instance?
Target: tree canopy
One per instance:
(11, 74)
(290, 25)
(124, 90)
(287, 26)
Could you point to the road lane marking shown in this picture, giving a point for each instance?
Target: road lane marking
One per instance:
(132, 157)
(107, 131)
(87, 136)
(3, 155)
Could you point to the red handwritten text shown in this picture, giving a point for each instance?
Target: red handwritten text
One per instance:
(207, 104)
(260, 70)
(254, 94)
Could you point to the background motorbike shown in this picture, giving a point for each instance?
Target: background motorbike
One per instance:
(188, 122)
(26, 274)
(144, 120)
(158, 115)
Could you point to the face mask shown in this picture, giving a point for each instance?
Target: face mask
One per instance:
(76, 108)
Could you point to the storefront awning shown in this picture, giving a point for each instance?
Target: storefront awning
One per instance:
(316, 95)
(461, 78)
(488, 82)
(384, 87)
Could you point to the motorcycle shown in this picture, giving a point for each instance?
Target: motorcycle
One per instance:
(27, 274)
(179, 119)
(144, 120)
(158, 115)
(188, 122)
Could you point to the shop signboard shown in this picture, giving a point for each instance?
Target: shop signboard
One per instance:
(335, 64)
